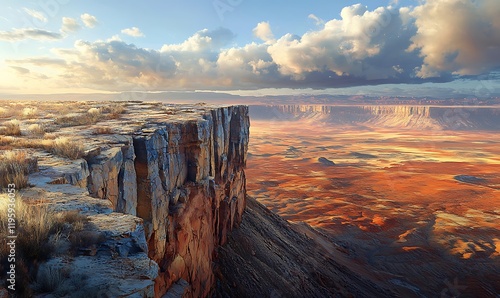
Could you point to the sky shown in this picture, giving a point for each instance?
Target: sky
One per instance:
(424, 47)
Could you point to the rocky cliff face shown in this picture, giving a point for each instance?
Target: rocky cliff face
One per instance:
(165, 189)
(191, 192)
(406, 117)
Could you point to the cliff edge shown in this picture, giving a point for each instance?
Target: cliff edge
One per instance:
(160, 187)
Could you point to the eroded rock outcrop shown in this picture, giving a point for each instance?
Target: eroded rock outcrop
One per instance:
(164, 189)
(191, 191)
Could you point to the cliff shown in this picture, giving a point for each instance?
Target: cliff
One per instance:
(386, 116)
(268, 256)
(163, 186)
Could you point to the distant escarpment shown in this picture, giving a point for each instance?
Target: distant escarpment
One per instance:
(387, 116)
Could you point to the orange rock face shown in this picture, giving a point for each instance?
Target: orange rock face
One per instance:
(191, 192)
(422, 206)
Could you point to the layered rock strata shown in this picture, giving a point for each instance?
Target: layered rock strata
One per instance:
(165, 188)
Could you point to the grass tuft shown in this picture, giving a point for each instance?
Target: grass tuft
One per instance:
(36, 129)
(11, 128)
(30, 113)
(64, 147)
(15, 166)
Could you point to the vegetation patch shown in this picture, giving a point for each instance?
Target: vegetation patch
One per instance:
(42, 233)
(15, 166)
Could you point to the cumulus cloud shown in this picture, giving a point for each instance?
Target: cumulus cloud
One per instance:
(355, 46)
(88, 20)
(29, 33)
(36, 14)
(362, 47)
(134, 32)
(461, 37)
(70, 25)
(263, 31)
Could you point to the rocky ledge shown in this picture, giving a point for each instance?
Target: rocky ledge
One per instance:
(161, 184)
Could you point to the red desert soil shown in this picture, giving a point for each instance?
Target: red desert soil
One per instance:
(391, 199)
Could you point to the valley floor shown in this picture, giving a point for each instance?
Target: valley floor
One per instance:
(420, 206)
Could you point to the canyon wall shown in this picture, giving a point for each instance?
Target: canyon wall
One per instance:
(165, 189)
(410, 117)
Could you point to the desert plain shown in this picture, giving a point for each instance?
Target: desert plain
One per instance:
(417, 204)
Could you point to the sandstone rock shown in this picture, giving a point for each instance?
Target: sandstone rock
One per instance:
(164, 190)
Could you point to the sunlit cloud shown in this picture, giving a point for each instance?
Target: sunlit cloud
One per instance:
(88, 20)
(40, 16)
(461, 37)
(318, 21)
(29, 33)
(362, 47)
(70, 25)
(263, 31)
(134, 32)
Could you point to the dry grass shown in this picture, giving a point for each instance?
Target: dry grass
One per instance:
(36, 226)
(37, 129)
(8, 111)
(60, 146)
(11, 128)
(114, 110)
(103, 130)
(67, 148)
(76, 119)
(30, 113)
(15, 167)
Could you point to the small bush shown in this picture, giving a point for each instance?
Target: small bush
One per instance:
(66, 148)
(30, 112)
(15, 166)
(50, 136)
(36, 224)
(94, 111)
(12, 128)
(36, 129)
(114, 110)
(103, 130)
(75, 119)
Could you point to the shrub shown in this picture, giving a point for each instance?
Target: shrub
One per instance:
(36, 224)
(114, 110)
(36, 129)
(15, 166)
(94, 111)
(12, 128)
(66, 148)
(30, 112)
(103, 130)
(75, 119)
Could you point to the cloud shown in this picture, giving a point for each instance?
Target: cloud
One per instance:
(317, 20)
(367, 45)
(41, 61)
(70, 25)
(88, 20)
(29, 33)
(134, 32)
(36, 14)
(263, 31)
(362, 47)
(460, 37)
(20, 70)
